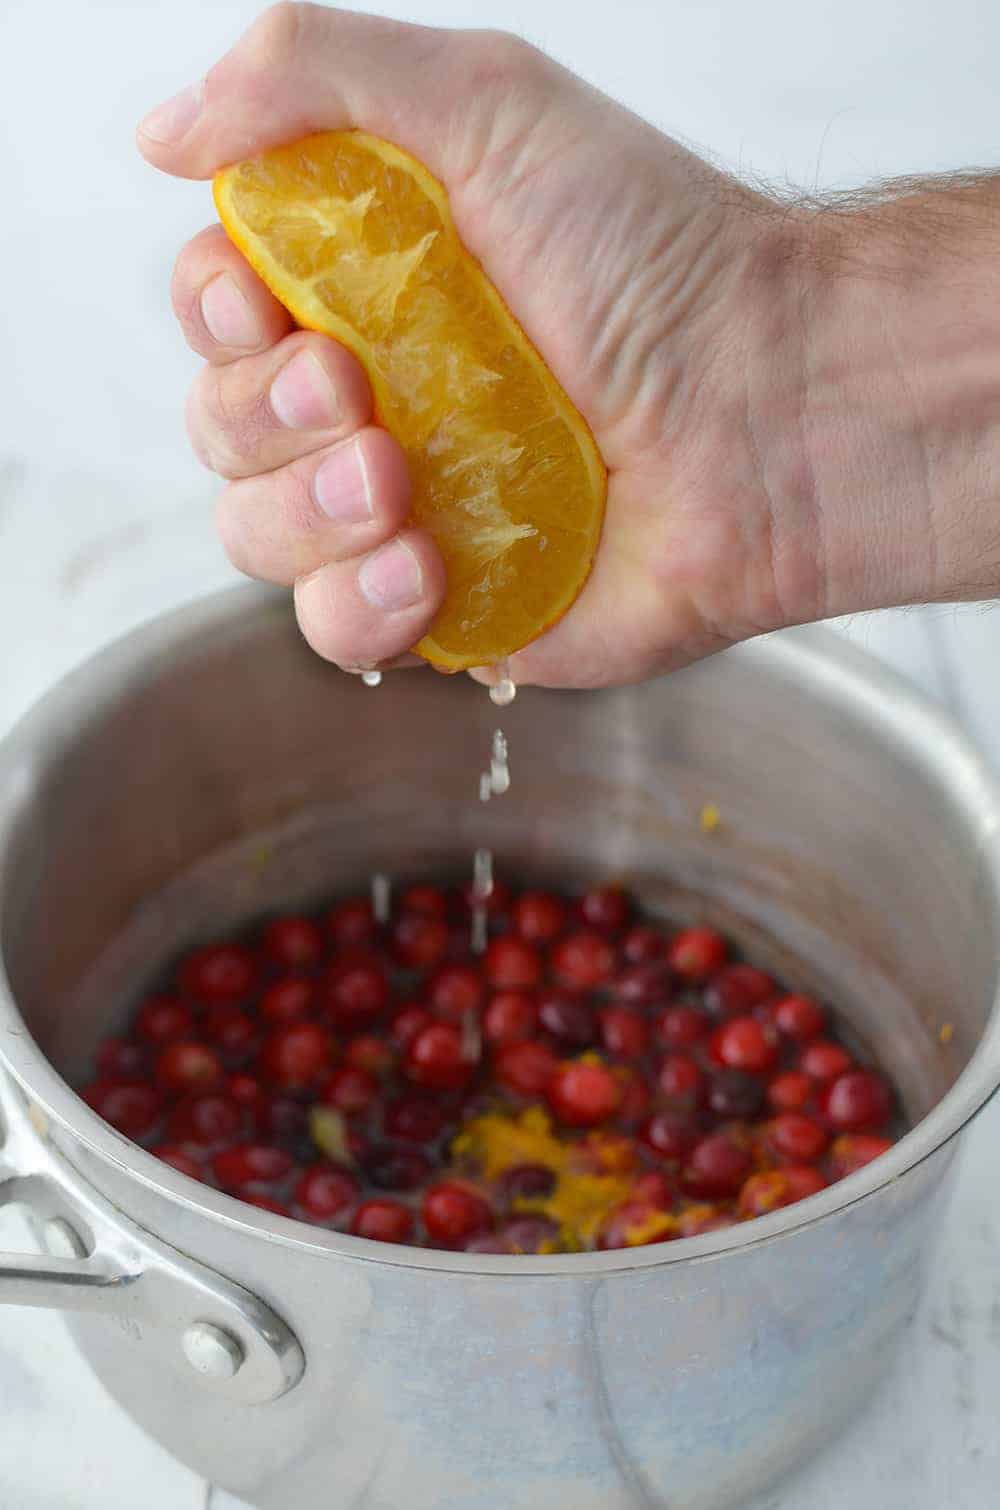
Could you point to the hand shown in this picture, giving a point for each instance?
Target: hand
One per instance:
(728, 376)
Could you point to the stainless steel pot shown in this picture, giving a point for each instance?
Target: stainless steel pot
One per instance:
(210, 768)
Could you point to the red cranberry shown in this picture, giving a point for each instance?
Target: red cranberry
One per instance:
(624, 1033)
(232, 1032)
(414, 1119)
(635, 1100)
(852, 1151)
(187, 1065)
(511, 962)
(525, 1068)
(858, 1101)
(681, 1081)
(350, 1090)
(633, 1225)
(206, 1120)
(250, 1164)
(497, 903)
(570, 1022)
(281, 1117)
(583, 960)
(369, 1052)
(698, 1219)
(825, 1060)
(356, 990)
(408, 1022)
(161, 1019)
(775, 1188)
(179, 1160)
(220, 972)
(654, 1189)
(530, 1234)
(294, 943)
(121, 1059)
(643, 943)
(734, 1094)
(133, 1109)
(452, 1212)
(717, 1167)
(436, 1058)
(669, 1135)
(297, 1054)
(791, 1091)
(420, 940)
(244, 1089)
(510, 1016)
(397, 1168)
(538, 916)
(528, 1181)
(454, 990)
(325, 1193)
(644, 985)
(288, 999)
(582, 1094)
(697, 953)
(351, 924)
(265, 1203)
(606, 908)
(735, 990)
(487, 1242)
(383, 1221)
(679, 1027)
(428, 900)
(796, 1139)
(743, 1043)
(799, 1017)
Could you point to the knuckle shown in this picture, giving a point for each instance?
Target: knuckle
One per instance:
(234, 424)
(274, 38)
(496, 57)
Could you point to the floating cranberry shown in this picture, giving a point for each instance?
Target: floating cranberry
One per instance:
(735, 990)
(582, 1094)
(383, 1221)
(436, 1057)
(452, 1212)
(497, 904)
(281, 1117)
(643, 943)
(487, 1242)
(455, 990)
(161, 1019)
(606, 908)
(218, 973)
(288, 1000)
(188, 1065)
(681, 1026)
(414, 1119)
(799, 1017)
(350, 1090)
(420, 940)
(250, 1164)
(825, 1060)
(624, 1032)
(669, 1135)
(510, 1016)
(571, 1023)
(681, 1081)
(538, 916)
(530, 1234)
(634, 1225)
(528, 1181)
(356, 989)
(179, 1160)
(511, 962)
(371, 1053)
(429, 900)
(635, 1100)
(325, 1193)
(796, 1139)
(644, 985)
(654, 1189)
(697, 953)
(743, 1043)
(525, 1068)
(207, 1120)
(717, 1167)
(244, 1089)
(232, 1031)
(583, 960)
(264, 1203)
(397, 1168)
(791, 1092)
(351, 924)
(133, 1109)
(297, 1054)
(774, 1188)
(734, 1094)
(408, 1022)
(294, 943)
(852, 1151)
(697, 1220)
(858, 1101)
(121, 1059)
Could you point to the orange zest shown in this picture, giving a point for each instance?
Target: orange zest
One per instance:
(356, 239)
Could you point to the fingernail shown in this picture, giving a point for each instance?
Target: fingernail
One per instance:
(341, 487)
(302, 396)
(173, 119)
(227, 314)
(391, 578)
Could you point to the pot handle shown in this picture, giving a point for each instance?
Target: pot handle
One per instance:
(183, 1313)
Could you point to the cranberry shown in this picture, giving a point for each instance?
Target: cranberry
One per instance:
(717, 1167)
(428, 900)
(397, 1168)
(288, 999)
(697, 953)
(624, 1033)
(825, 1060)
(511, 962)
(635, 1100)
(265, 1203)
(350, 1090)
(454, 990)
(743, 1043)
(161, 1019)
(525, 1068)
(187, 1065)
(510, 1016)
(206, 1120)
(244, 1089)
(370, 1053)
(582, 1094)
(606, 908)
(774, 1188)
(487, 1242)
(799, 1017)
(791, 1091)
(179, 1160)
(796, 1139)
(436, 1057)
(294, 943)
(250, 1164)
(233, 1032)
(528, 1181)
(634, 1225)
(670, 1135)
(679, 1027)
(698, 1219)
(735, 1094)
(497, 903)
(325, 1193)
(644, 985)
(583, 960)
(296, 1054)
(736, 989)
(420, 940)
(642, 944)
(852, 1151)
(414, 1119)
(356, 990)
(857, 1101)
(681, 1081)
(530, 1234)
(571, 1023)
(121, 1059)
(133, 1109)
(408, 1022)
(383, 1221)
(351, 924)
(538, 916)
(281, 1117)
(452, 1212)
(220, 972)
(654, 1189)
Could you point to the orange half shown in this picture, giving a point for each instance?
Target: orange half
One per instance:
(356, 239)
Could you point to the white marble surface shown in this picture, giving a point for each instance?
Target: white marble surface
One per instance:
(105, 520)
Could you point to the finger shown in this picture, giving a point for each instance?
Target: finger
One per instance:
(333, 506)
(224, 309)
(267, 410)
(368, 612)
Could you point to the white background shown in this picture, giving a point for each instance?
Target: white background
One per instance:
(105, 520)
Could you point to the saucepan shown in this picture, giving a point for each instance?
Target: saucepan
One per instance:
(209, 769)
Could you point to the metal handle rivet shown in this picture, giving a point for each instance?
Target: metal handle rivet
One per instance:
(211, 1351)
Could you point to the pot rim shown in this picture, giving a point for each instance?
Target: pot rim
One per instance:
(908, 718)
